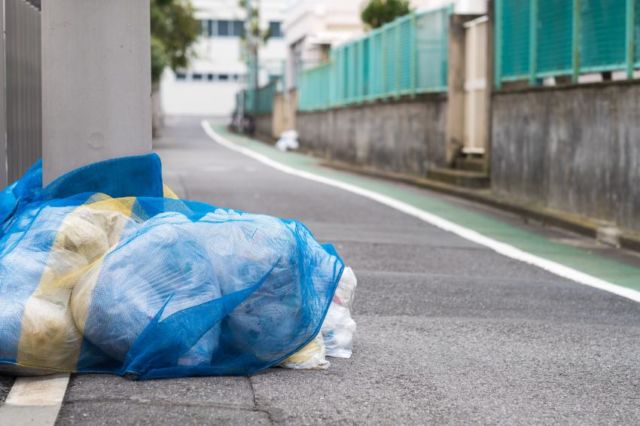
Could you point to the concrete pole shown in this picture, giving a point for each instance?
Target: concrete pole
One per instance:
(96, 75)
(456, 92)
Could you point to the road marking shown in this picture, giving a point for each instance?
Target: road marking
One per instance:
(34, 401)
(437, 221)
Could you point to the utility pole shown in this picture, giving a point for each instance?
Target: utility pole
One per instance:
(96, 75)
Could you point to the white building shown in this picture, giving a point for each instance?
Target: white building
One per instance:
(312, 27)
(462, 7)
(218, 72)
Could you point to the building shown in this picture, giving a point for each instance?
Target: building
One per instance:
(219, 71)
(312, 27)
(462, 7)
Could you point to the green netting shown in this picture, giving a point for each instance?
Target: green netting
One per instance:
(602, 30)
(406, 56)
(554, 47)
(514, 30)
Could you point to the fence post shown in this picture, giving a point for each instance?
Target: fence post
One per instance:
(497, 35)
(455, 87)
(631, 42)
(575, 42)
(533, 42)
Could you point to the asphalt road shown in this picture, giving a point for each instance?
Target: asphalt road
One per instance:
(448, 331)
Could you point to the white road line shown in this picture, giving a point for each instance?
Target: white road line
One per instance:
(34, 401)
(437, 221)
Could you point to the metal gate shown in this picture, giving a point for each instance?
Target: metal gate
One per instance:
(21, 93)
(476, 91)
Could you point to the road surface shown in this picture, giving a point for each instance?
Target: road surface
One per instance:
(448, 331)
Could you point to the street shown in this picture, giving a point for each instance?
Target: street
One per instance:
(448, 331)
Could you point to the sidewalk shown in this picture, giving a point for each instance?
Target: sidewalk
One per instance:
(449, 331)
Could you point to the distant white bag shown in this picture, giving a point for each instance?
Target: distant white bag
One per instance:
(288, 141)
(338, 327)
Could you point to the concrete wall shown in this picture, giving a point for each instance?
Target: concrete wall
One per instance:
(405, 136)
(573, 149)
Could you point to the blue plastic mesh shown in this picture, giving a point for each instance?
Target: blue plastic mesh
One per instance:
(148, 286)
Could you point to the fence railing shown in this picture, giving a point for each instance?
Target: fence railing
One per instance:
(256, 102)
(265, 96)
(405, 57)
(550, 38)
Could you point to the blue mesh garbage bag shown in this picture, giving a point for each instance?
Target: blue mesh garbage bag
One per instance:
(99, 272)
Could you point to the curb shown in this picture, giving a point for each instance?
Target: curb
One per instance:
(578, 224)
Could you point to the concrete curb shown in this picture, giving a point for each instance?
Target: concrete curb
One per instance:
(580, 225)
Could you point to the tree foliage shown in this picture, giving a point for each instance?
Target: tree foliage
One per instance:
(379, 12)
(174, 29)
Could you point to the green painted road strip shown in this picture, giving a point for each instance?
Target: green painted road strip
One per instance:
(611, 272)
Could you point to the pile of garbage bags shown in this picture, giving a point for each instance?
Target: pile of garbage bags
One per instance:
(104, 270)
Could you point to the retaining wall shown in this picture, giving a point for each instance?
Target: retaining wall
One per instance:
(574, 149)
(401, 136)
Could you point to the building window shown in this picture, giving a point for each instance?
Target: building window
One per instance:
(214, 28)
(224, 29)
(208, 27)
(275, 29)
(238, 28)
(208, 77)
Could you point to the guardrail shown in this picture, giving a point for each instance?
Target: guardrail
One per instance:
(404, 57)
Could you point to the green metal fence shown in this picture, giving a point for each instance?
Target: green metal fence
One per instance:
(544, 38)
(265, 96)
(405, 57)
(245, 102)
